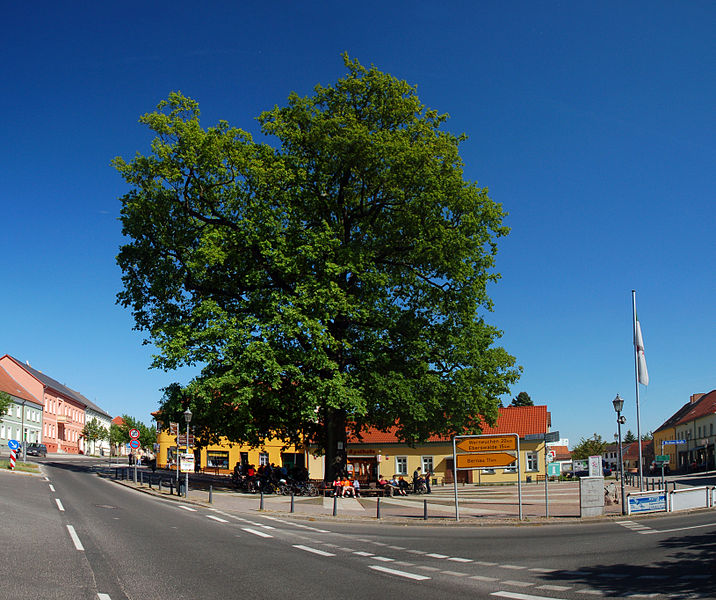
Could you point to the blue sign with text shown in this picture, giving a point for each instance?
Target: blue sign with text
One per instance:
(647, 502)
(674, 442)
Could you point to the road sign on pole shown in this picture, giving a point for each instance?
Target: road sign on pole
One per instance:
(488, 444)
(485, 461)
(134, 433)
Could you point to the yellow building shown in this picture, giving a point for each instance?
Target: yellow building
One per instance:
(221, 458)
(380, 453)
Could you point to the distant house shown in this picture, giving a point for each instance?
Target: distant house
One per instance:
(63, 417)
(104, 419)
(23, 420)
(693, 427)
(630, 454)
(562, 457)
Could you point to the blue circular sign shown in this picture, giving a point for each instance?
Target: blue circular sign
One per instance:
(13, 444)
(134, 444)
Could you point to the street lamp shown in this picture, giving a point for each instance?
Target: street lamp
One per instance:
(618, 403)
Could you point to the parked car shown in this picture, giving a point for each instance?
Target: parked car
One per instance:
(37, 450)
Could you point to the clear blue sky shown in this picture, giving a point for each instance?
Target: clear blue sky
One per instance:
(593, 125)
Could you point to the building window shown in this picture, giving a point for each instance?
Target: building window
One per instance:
(216, 459)
(263, 458)
(401, 465)
(532, 458)
(427, 464)
(488, 471)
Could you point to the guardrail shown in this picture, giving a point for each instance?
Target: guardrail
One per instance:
(662, 500)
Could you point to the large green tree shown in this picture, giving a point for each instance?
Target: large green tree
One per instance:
(592, 446)
(333, 280)
(93, 431)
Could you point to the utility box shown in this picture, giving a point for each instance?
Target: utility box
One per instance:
(591, 496)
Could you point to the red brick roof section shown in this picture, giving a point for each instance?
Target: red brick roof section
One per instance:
(12, 387)
(561, 453)
(118, 421)
(705, 405)
(522, 420)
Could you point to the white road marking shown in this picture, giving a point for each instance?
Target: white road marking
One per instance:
(454, 573)
(590, 592)
(405, 574)
(541, 570)
(75, 538)
(513, 567)
(383, 558)
(103, 597)
(554, 588)
(313, 550)
(187, 508)
(434, 555)
(517, 596)
(364, 553)
(426, 568)
(460, 560)
(651, 531)
(396, 547)
(52, 488)
(517, 583)
(219, 519)
(484, 563)
(59, 505)
(258, 533)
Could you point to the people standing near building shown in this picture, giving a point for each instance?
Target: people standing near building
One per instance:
(416, 480)
(427, 481)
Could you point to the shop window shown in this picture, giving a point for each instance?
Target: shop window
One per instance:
(401, 465)
(217, 459)
(488, 471)
(532, 458)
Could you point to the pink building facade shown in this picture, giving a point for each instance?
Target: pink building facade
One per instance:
(63, 411)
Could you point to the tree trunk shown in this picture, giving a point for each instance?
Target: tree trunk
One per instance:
(335, 444)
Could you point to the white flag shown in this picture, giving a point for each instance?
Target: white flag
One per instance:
(641, 359)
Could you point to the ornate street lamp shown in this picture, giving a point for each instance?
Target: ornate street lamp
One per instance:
(618, 403)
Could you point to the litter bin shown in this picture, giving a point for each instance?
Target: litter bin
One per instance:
(529, 478)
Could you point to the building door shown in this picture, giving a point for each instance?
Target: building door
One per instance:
(462, 476)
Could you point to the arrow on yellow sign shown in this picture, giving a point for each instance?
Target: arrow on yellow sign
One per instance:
(488, 444)
(481, 461)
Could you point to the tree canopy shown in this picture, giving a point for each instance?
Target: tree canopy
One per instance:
(332, 280)
(5, 404)
(592, 446)
(119, 434)
(522, 399)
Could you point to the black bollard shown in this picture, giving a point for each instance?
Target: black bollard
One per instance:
(159, 487)
(141, 477)
(116, 474)
(292, 505)
(377, 507)
(335, 505)
(211, 490)
(171, 487)
(150, 482)
(425, 510)
(261, 505)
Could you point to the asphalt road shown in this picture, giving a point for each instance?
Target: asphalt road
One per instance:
(76, 536)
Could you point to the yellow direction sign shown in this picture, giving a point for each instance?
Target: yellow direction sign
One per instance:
(488, 444)
(481, 461)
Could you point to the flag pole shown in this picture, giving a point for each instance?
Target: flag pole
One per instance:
(636, 379)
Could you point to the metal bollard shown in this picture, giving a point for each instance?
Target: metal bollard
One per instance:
(335, 505)
(116, 474)
(292, 505)
(141, 477)
(377, 507)
(159, 487)
(211, 490)
(150, 482)
(261, 505)
(135, 473)
(186, 486)
(171, 487)
(425, 510)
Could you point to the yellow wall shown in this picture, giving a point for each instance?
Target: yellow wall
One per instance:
(668, 433)
(273, 447)
(387, 454)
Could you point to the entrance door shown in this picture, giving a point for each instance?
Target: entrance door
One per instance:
(462, 476)
(363, 469)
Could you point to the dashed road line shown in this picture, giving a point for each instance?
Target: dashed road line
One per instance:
(436, 555)
(257, 532)
(554, 588)
(313, 550)
(590, 592)
(516, 583)
(541, 570)
(517, 596)
(75, 538)
(513, 567)
(103, 597)
(59, 505)
(460, 560)
(52, 488)
(219, 519)
(484, 563)
(454, 573)
(189, 508)
(361, 553)
(427, 568)
(383, 558)
(483, 578)
(398, 573)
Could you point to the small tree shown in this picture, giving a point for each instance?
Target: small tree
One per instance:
(629, 437)
(5, 403)
(589, 447)
(523, 399)
(93, 431)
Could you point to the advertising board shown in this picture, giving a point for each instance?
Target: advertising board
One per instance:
(643, 502)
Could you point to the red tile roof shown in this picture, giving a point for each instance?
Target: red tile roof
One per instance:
(12, 387)
(561, 453)
(118, 421)
(522, 420)
(705, 405)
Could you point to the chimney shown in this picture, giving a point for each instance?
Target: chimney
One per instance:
(695, 398)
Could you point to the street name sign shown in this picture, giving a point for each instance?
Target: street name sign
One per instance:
(181, 439)
(488, 444)
(485, 461)
(674, 442)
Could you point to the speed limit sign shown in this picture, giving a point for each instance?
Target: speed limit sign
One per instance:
(134, 433)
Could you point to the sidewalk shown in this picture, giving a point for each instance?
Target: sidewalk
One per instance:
(477, 504)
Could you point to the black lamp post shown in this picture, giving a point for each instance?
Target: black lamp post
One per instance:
(618, 403)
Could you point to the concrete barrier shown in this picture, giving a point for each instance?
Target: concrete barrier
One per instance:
(696, 497)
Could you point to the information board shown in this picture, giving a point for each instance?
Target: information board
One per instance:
(642, 502)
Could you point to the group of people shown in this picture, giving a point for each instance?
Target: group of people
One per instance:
(343, 487)
(398, 486)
